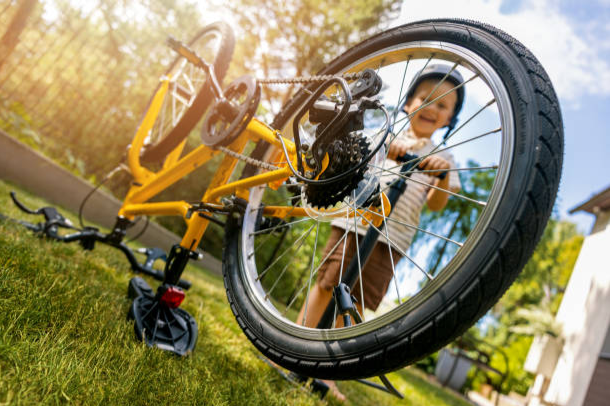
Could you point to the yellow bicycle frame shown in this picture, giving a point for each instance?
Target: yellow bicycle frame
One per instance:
(147, 184)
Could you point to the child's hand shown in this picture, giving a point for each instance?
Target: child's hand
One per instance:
(398, 148)
(434, 162)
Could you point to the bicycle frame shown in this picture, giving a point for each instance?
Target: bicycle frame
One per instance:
(147, 184)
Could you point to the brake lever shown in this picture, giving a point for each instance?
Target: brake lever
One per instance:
(22, 206)
(52, 216)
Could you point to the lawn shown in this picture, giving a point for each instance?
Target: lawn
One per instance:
(65, 338)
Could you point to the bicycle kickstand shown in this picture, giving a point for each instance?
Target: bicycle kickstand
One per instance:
(345, 305)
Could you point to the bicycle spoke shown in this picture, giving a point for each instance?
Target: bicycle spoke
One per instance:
(475, 168)
(317, 269)
(191, 87)
(417, 228)
(399, 297)
(341, 266)
(267, 237)
(162, 122)
(442, 81)
(343, 250)
(492, 167)
(312, 259)
(483, 204)
(382, 62)
(457, 243)
(415, 77)
(399, 96)
(397, 248)
(491, 102)
(289, 263)
(283, 254)
(174, 118)
(358, 260)
(422, 106)
(438, 150)
(267, 230)
(412, 81)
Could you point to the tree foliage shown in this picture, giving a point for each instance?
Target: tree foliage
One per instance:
(297, 38)
(529, 306)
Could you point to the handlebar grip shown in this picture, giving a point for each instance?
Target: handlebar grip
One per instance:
(408, 157)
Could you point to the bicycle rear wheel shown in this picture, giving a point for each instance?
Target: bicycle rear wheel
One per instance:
(508, 148)
(189, 93)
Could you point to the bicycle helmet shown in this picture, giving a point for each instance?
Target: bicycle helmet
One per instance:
(438, 71)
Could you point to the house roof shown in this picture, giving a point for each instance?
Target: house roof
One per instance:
(597, 202)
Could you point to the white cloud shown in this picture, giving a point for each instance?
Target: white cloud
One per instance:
(576, 59)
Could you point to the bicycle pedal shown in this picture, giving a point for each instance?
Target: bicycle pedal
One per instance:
(153, 254)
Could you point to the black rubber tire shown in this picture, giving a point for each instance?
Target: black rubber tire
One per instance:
(158, 151)
(498, 257)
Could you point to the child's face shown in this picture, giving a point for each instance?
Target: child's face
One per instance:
(437, 114)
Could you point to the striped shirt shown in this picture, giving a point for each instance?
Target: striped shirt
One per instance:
(410, 204)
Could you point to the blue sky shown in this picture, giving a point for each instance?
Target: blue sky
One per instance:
(572, 41)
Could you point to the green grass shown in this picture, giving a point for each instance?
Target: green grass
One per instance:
(64, 337)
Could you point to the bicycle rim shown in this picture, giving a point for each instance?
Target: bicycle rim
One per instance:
(264, 276)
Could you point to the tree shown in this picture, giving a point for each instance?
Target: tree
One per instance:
(294, 38)
(529, 306)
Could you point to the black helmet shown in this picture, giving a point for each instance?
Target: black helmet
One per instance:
(438, 71)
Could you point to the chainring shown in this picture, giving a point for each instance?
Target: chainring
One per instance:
(222, 125)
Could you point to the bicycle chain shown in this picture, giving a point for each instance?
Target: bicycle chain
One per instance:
(248, 159)
(307, 79)
(272, 81)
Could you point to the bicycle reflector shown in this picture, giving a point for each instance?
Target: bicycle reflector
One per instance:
(172, 297)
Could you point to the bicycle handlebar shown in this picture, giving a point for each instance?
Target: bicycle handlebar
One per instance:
(86, 237)
(409, 158)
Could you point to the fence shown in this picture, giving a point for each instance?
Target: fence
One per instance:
(75, 78)
(80, 73)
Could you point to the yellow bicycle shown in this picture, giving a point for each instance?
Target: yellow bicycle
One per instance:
(322, 161)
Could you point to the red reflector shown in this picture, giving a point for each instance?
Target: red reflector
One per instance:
(172, 297)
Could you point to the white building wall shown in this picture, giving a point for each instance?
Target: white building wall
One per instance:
(585, 316)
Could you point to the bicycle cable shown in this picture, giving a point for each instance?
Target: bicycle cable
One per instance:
(348, 172)
(105, 179)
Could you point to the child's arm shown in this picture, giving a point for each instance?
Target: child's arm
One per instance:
(398, 148)
(436, 199)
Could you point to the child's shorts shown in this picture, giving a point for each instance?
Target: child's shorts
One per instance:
(377, 272)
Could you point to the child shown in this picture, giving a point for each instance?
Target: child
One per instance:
(377, 271)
